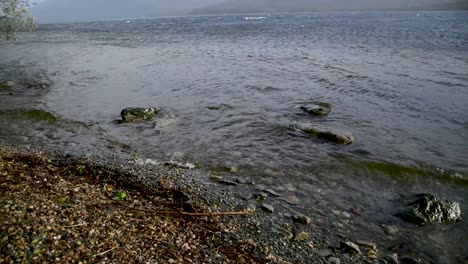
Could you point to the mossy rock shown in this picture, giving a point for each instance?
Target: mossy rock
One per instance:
(318, 108)
(6, 85)
(330, 134)
(136, 114)
(427, 208)
(34, 114)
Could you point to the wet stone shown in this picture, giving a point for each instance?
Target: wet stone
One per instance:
(427, 208)
(242, 180)
(226, 182)
(272, 192)
(135, 114)
(216, 178)
(367, 244)
(319, 108)
(285, 233)
(301, 236)
(334, 135)
(336, 212)
(267, 207)
(391, 259)
(334, 260)
(345, 215)
(391, 230)
(301, 219)
(246, 196)
(293, 200)
(324, 252)
(235, 169)
(261, 196)
(350, 247)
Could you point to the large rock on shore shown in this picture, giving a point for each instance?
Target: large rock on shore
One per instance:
(136, 114)
(427, 208)
(319, 108)
(331, 134)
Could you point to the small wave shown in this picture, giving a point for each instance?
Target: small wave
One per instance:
(254, 18)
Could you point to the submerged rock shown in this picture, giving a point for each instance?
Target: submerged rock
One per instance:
(427, 208)
(320, 108)
(135, 114)
(331, 134)
(7, 85)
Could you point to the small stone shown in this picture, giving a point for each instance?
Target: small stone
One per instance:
(371, 254)
(350, 247)
(285, 233)
(345, 215)
(324, 252)
(235, 169)
(336, 212)
(268, 208)
(272, 192)
(293, 200)
(367, 244)
(391, 230)
(302, 219)
(334, 260)
(391, 259)
(261, 196)
(226, 182)
(216, 178)
(301, 236)
(242, 180)
(246, 196)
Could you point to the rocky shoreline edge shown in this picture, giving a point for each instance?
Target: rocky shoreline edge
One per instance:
(57, 208)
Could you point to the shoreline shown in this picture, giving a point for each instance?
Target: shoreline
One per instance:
(193, 221)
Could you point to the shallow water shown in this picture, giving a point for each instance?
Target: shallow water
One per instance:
(398, 82)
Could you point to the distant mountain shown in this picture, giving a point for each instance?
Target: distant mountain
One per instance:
(94, 10)
(272, 6)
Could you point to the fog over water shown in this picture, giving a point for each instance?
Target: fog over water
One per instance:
(96, 10)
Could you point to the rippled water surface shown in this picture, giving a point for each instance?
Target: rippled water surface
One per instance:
(229, 88)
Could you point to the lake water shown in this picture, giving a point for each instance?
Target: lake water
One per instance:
(229, 87)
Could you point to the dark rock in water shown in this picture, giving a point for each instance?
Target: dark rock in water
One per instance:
(320, 108)
(135, 114)
(330, 134)
(427, 208)
(7, 85)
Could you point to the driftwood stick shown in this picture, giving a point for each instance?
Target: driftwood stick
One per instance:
(102, 253)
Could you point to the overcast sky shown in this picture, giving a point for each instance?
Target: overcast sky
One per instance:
(92, 10)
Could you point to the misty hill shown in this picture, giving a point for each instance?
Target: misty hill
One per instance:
(93, 10)
(271, 6)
